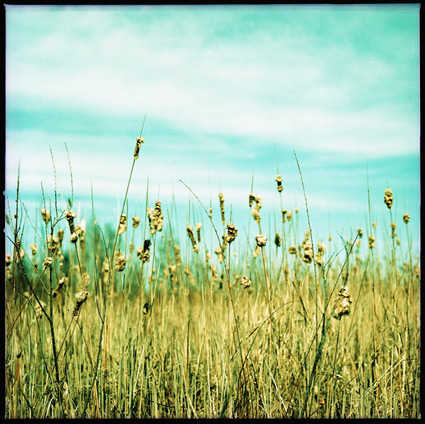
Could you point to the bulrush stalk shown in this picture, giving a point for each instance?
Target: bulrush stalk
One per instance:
(103, 319)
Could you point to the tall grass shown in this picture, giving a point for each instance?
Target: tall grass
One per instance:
(276, 331)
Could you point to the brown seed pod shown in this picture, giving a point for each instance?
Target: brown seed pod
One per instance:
(245, 282)
(221, 199)
(279, 180)
(342, 303)
(232, 232)
(388, 198)
(261, 240)
(45, 214)
(139, 142)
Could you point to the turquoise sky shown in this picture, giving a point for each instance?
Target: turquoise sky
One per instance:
(228, 91)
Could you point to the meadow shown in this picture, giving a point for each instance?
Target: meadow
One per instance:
(132, 321)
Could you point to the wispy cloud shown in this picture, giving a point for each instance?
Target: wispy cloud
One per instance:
(274, 88)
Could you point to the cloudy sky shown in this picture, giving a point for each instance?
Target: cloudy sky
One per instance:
(229, 92)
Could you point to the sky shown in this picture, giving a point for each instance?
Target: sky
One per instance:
(229, 94)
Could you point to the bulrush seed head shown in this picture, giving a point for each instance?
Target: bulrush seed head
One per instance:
(139, 142)
(292, 250)
(371, 241)
(261, 240)
(155, 218)
(53, 244)
(136, 221)
(122, 227)
(34, 249)
(198, 227)
(221, 199)
(45, 214)
(81, 298)
(256, 210)
(256, 251)
(360, 232)
(342, 303)
(289, 215)
(277, 240)
(279, 180)
(177, 257)
(219, 253)
(232, 232)
(308, 252)
(284, 212)
(60, 235)
(74, 237)
(143, 252)
(8, 259)
(48, 262)
(189, 230)
(251, 200)
(120, 262)
(393, 227)
(70, 215)
(388, 198)
(406, 218)
(245, 282)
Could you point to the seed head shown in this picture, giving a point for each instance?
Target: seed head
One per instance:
(34, 249)
(120, 262)
(198, 227)
(245, 281)
(155, 218)
(177, 257)
(279, 180)
(189, 230)
(289, 215)
(48, 262)
(221, 199)
(81, 298)
(256, 251)
(388, 198)
(39, 310)
(53, 244)
(261, 240)
(136, 221)
(277, 240)
(232, 232)
(308, 252)
(406, 218)
(360, 232)
(139, 142)
(70, 215)
(8, 259)
(393, 227)
(371, 241)
(292, 250)
(342, 303)
(45, 214)
(143, 252)
(74, 237)
(256, 210)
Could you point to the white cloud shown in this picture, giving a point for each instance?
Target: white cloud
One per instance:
(216, 89)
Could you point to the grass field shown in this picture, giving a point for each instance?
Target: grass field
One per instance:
(135, 322)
